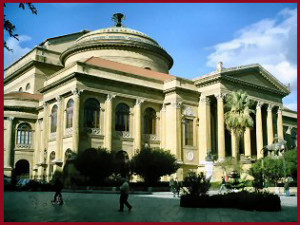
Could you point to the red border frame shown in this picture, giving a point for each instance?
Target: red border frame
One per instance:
(118, 1)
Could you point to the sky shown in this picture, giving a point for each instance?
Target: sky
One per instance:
(197, 35)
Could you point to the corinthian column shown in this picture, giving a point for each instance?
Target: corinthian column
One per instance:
(58, 154)
(221, 126)
(270, 124)
(108, 121)
(138, 124)
(45, 125)
(279, 123)
(259, 131)
(163, 127)
(7, 159)
(233, 145)
(75, 131)
(247, 142)
(203, 129)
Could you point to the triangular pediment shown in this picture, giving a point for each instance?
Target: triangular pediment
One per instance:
(258, 76)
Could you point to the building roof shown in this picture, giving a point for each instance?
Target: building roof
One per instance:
(24, 95)
(128, 68)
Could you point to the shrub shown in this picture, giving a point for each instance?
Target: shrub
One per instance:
(196, 184)
(151, 164)
(241, 200)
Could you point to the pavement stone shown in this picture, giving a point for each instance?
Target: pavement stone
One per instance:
(157, 207)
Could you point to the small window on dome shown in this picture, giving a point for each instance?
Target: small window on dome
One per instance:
(20, 89)
(147, 68)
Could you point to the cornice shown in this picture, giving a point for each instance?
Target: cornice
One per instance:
(115, 44)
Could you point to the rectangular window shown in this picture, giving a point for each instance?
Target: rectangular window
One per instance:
(188, 132)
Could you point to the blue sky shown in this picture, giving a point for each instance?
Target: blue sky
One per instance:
(197, 36)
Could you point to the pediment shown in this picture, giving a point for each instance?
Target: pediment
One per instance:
(258, 76)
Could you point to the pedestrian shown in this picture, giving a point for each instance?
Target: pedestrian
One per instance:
(58, 186)
(124, 192)
(171, 184)
(223, 185)
(287, 187)
(177, 187)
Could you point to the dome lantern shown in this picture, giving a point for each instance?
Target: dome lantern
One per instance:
(117, 18)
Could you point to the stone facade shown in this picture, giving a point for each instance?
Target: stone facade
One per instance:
(112, 88)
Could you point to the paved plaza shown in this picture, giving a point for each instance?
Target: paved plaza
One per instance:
(158, 207)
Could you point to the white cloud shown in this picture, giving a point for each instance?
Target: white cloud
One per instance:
(269, 42)
(18, 50)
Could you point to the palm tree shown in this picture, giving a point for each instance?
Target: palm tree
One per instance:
(238, 117)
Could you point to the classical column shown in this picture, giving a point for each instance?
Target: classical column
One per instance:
(138, 124)
(45, 123)
(259, 130)
(58, 155)
(177, 106)
(221, 126)
(270, 124)
(233, 145)
(203, 129)
(279, 123)
(7, 159)
(163, 127)
(247, 142)
(76, 113)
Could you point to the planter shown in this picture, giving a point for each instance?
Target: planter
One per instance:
(241, 200)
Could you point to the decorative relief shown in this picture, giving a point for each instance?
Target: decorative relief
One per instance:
(190, 155)
(69, 131)
(150, 137)
(188, 111)
(24, 146)
(93, 131)
(123, 134)
(58, 98)
(220, 96)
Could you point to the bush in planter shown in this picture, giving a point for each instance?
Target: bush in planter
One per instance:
(197, 184)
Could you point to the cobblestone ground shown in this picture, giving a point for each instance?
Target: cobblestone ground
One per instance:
(159, 207)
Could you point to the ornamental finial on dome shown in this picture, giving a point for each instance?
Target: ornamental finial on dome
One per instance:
(117, 18)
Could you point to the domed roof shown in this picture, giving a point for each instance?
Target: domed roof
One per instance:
(117, 33)
(135, 47)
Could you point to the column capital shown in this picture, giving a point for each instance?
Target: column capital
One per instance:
(259, 104)
(204, 99)
(163, 109)
(110, 97)
(279, 111)
(58, 98)
(270, 107)
(76, 92)
(220, 96)
(176, 104)
(10, 118)
(139, 101)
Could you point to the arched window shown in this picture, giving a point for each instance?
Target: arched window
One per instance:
(188, 126)
(69, 113)
(122, 117)
(91, 113)
(27, 87)
(24, 134)
(54, 119)
(150, 121)
(20, 89)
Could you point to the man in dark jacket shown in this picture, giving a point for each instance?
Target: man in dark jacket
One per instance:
(58, 186)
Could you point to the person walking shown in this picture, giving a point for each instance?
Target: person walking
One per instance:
(223, 185)
(58, 186)
(177, 186)
(124, 192)
(287, 187)
(171, 184)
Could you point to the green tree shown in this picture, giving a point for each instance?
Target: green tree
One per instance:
(238, 117)
(229, 164)
(151, 164)
(290, 158)
(10, 27)
(95, 164)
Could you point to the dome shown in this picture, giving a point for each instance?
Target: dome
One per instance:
(120, 44)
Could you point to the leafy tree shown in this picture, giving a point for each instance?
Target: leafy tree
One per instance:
(256, 172)
(10, 27)
(197, 184)
(291, 163)
(238, 117)
(95, 164)
(151, 164)
(229, 164)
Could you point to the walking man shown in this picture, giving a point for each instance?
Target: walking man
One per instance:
(124, 191)
(58, 186)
